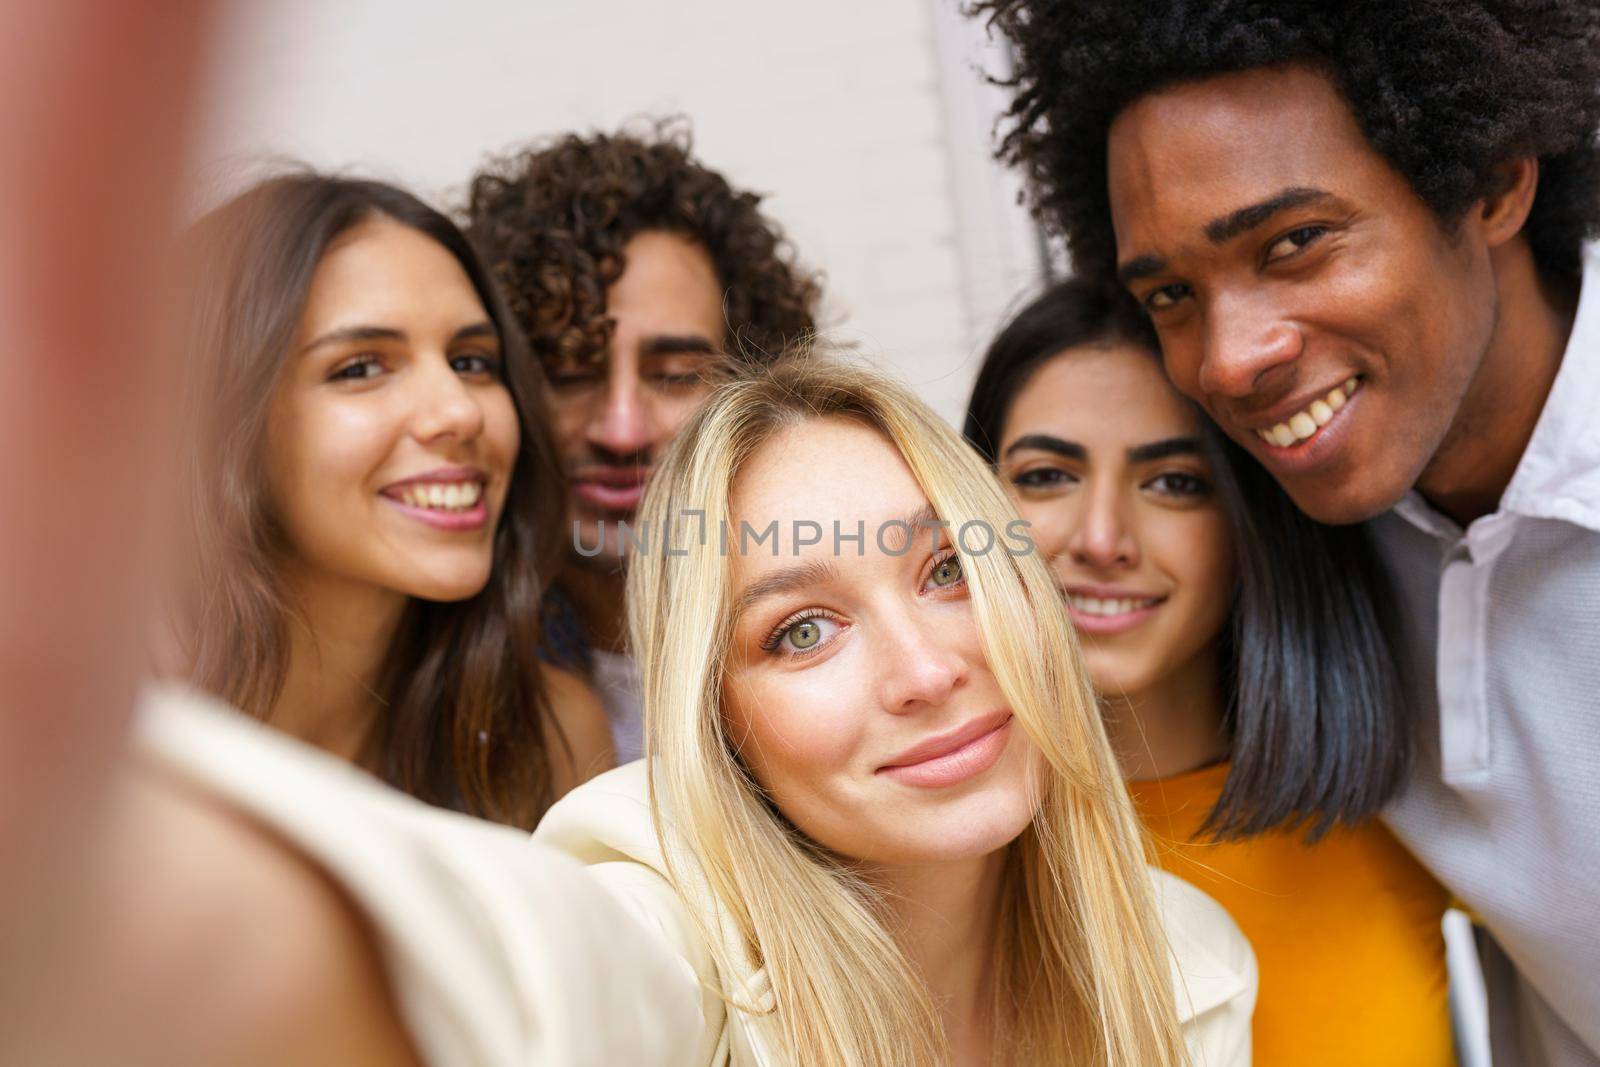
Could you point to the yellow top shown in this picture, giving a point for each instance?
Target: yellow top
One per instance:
(1346, 931)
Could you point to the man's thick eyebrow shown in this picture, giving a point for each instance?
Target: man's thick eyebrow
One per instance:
(674, 344)
(1140, 267)
(356, 333)
(1227, 227)
(1171, 446)
(812, 572)
(1049, 443)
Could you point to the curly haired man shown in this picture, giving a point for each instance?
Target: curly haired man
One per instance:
(1359, 231)
(632, 267)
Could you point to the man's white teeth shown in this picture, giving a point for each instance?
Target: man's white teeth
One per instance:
(1090, 605)
(445, 496)
(1302, 424)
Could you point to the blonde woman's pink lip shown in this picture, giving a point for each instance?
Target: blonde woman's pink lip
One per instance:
(952, 758)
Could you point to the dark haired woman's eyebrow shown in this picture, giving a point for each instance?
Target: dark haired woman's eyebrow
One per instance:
(674, 344)
(1049, 443)
(356, 333)
(1171, 446)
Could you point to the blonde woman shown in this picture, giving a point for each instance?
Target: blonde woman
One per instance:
(888, 797)
(880, 825)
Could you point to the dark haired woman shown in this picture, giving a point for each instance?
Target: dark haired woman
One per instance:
(1240, 652)
(376, 500)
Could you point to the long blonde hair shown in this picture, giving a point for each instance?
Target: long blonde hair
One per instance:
(1084, 973)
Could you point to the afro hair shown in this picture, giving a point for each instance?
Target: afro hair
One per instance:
(1445, 90)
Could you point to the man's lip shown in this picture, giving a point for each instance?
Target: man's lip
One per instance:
(1304, 457)
(438, 474)
(950, 741)
(612, 477)
(1284, 410)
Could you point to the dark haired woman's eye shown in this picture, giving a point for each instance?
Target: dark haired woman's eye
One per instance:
(357, 369)
(476, 363)
(1180, 484)
(1294, 241)
(1043, 478)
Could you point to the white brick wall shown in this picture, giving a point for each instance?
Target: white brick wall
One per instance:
(863, 120)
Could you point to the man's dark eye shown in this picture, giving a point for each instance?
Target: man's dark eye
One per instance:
(574, 376)
(1165, 297)
(1294, 241)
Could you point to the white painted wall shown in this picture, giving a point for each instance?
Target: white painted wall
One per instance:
(866, 122)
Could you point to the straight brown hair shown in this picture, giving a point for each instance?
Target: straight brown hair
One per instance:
(465, 707)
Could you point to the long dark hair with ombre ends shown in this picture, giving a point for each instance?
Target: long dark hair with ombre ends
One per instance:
(465, 718)
(1320, 734)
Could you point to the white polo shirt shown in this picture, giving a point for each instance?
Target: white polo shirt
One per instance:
(1502, 633)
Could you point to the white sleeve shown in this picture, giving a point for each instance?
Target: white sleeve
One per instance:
(501, 952)
(1213, 972)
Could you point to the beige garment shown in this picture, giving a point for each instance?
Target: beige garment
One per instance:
(606, 825)
(504, 951)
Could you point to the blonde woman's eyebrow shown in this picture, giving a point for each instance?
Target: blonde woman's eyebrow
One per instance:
(788, 580)
(895, 535)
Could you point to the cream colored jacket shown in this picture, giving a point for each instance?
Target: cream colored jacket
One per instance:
(572, 949)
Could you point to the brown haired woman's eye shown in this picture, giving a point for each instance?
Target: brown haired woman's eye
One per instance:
(476, 363)
(357, 369)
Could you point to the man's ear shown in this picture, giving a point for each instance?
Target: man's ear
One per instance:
(1501, 215)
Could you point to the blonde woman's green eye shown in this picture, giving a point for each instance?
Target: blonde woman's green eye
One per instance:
(947, 573)
(804, 635)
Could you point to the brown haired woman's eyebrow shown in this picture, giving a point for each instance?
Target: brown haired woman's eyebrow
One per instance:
(476, 329)
(345, 334)
(356, 333)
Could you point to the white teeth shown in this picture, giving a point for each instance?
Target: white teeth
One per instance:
(1090, 605)
(1303, 425)
(442, 496)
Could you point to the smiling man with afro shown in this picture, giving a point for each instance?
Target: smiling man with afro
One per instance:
(1359, 230)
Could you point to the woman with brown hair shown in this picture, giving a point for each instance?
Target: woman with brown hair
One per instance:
(374, 499)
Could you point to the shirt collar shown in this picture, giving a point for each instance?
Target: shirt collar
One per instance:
(1558, 476)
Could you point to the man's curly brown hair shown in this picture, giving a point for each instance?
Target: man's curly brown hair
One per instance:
(1445, 90)
(552, 220)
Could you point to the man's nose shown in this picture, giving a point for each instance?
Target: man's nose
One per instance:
(1247, 339)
